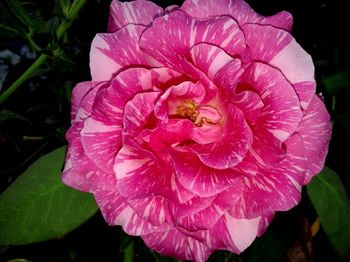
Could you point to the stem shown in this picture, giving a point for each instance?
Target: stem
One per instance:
(129, 253)
(24, 77)
(75, 8)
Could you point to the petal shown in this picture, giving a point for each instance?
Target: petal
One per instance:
(315, 130)
(78, 93)
(153, 209)
(280, 115)
(170, 37)
(238, 9)
(235, 142)
(140, 174)
(230, 233)
(175, 244)
(117, 212)
(201, 179)
(275, 189)
(135, 12)
(210, 59)
(279, 49)
(101, 142)
(137, 113)
(264, 223)
(80, 172)
(111, 52)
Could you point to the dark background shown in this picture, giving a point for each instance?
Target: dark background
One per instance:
(42, 108)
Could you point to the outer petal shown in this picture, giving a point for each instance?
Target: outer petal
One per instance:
(315, 130)
(238, 9)
(101, 134)
(117, 212)
(170, 37)
(278, 48)
(280, 115)
(110, 52)
(277, 189)
(175, 244)
(135, 12)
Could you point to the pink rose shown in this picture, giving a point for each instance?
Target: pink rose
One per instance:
(199, 123)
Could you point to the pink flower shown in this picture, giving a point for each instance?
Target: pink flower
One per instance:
(199, 123)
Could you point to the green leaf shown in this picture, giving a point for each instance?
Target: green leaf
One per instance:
(332, 204)
(7, 114)
(38, 206)
(337, 82)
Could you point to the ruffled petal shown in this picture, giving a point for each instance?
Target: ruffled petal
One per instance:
(279, 49)
(238, 9)
(116, 211)
(177, 245)
(136, 167)
(280, 116)
(315, 130)
(111, 52)
(200, 179)
(233, 144)
(275, 189)
(171, 36)
(135, 12)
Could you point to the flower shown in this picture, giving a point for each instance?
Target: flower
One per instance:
(199, 123)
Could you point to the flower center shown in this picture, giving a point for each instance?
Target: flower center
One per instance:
(197, 114)
(188, 109)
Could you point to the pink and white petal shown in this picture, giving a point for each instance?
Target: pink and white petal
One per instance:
(82, 104)
(279, 49)
(101, 142)
(153, 209)
(211, 59)
(80, 172)
(238, 9)
(275, 189)
(140, 174)
(110, 101)
(280, 116)
(137, 113)
(116, 211)
(111, 52)
(232, 234)
(305, 92)
(227, 77)
(135, 12)
(200, 179)
(315, 130)
(234, 144)
(177, 245)
(250, 103)
(203, 220)
(170, 37)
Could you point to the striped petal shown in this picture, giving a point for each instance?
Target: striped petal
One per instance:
(280, 116)
(275, 189)
(135, 12)
(315, 130)
(177, 245)
(117, 212)
(171, 36)
(238, 9)
(200, 179)
(136, 167)
(111, 52)
(279, 49)
(233, 145)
